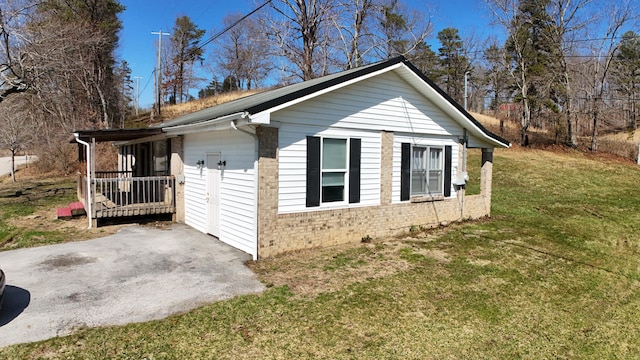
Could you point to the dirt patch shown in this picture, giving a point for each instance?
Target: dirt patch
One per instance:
(309, 273)
(76, 228)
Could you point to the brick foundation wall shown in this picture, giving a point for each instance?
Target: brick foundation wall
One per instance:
(278, 233)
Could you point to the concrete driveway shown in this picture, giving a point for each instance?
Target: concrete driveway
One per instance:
(136, 275)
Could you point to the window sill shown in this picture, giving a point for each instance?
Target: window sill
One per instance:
(426, 198)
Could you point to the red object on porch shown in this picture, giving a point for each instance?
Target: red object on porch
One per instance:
(77, 208)
(64, 213)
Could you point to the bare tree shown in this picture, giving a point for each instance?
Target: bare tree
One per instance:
(16, 72)
(299, 31)
(243, 52)
(569, 23)
(353, 23)
(506, 12)
(603, 51)
(16, 130)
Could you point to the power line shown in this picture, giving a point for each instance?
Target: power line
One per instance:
(221, 32)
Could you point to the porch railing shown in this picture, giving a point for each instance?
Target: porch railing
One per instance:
(118, 194)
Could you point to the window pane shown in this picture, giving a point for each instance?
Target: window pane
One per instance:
(332, 178)
(333, 187)
(332, 193)
(435, 182)
(435, 159)
(159, 156)
(418, 171)
(418, 182)
(334, 154)
(418, 159)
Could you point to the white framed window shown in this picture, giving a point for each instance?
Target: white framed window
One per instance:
(334, 169)
(427, 168)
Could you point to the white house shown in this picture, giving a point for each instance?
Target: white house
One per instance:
(370, 151)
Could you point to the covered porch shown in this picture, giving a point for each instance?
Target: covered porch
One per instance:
(140, 186)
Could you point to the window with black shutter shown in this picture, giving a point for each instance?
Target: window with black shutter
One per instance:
(333, 170)
(425, 170)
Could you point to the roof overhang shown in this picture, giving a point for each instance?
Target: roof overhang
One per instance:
(120, 135)
(217, 124)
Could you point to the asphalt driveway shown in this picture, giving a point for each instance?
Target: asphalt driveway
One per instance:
(136, 275)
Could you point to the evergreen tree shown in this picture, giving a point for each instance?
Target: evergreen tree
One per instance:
(626, 73)
(425, 60)
(497, 79)
(453, 63)
(531, 59)
(186, 50)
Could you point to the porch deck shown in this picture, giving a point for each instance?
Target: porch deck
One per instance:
(116, 194)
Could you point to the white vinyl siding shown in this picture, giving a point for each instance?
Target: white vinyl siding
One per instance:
(237, 186)
(385, 102)
(361, 110)
(292, 166)
(425, 142)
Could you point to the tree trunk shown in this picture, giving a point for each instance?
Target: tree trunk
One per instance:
(103, 103)
(13, 165)
(594, 136)
(634, 121)
(526, 121)
(572, 139)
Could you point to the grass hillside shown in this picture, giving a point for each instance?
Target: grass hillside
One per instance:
(552, 274)
(170, 112)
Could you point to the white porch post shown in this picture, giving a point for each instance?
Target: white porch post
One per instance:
(88, 197)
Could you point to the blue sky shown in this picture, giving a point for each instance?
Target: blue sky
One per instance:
(141, 17)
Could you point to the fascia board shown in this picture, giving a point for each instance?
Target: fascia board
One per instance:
(221, 123)
(451, 110)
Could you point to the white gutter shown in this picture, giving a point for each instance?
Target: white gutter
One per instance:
(211, 124)
(88, 195)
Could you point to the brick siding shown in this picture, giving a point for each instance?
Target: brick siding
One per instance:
(278, 233)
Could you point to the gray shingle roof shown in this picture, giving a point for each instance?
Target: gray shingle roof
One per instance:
(262, 101)
(256, 103)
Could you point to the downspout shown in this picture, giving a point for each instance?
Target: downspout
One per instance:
(88, 194)
(256, 180)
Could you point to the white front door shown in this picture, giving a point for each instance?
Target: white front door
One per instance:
(213, 194)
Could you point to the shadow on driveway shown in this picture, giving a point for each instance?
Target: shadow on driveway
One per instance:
(16, 300)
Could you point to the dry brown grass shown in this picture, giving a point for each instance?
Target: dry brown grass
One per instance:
(309, 273)
(173, 111)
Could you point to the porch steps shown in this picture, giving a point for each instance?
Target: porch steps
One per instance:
(74, 209)
(77, 209)
(64, 213)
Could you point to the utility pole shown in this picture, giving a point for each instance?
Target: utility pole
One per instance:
(466, 75)
(137, 103)
(159, 70)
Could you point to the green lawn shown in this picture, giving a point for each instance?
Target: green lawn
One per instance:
(553, 274)
(20, 226)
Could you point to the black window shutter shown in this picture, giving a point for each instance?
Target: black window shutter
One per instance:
(447, 170)
(405, 172)
(354, 170)
(313, 171)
